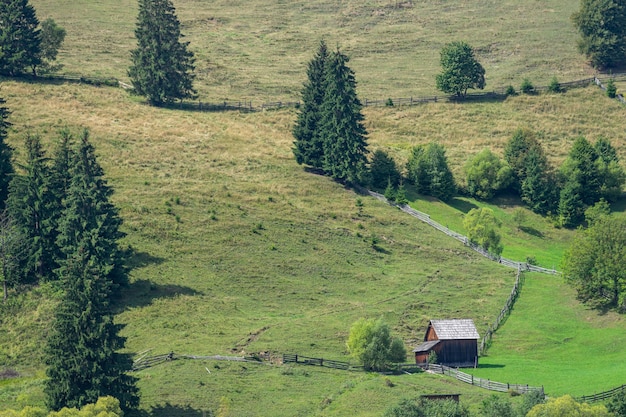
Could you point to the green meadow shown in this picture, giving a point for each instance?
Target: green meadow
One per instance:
(237, 250)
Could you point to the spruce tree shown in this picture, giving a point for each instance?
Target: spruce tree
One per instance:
(81, 352)
(29, 205)
(308, 145)
(88, 213)
(581, 167)
(83, 363)
(20, 39)
(342, 129)
(6, 152)
(162, 66)
(539, 188)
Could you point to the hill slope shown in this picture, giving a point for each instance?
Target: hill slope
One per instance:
(258, 49)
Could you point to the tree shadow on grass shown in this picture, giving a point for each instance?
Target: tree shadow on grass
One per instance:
(490, 366)
(531, 231)
(142, 259)
(142, 292)
(170, 410)
(462, 205)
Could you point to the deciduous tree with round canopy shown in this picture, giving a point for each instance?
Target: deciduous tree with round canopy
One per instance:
(460, 70)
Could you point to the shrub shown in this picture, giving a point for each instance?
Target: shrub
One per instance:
(510, 91)
(527, 87)
(554, 86)
(611, 90)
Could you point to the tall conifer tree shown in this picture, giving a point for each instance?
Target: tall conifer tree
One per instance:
(83, 363)
(88, 214)
(342, 129)
(162, 66)
(308, 145)
(20, 39)
(6, 153)
(29, 206)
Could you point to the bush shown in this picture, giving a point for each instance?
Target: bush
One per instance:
(611, 90)
(510, 91)
(527, 87)
(554, 86)
(389, 103)
(370, 342)
(487, 175)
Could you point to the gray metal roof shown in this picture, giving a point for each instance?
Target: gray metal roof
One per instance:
(426, 346)
(455, 329)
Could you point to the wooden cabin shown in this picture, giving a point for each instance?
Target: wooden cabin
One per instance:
(454, 341)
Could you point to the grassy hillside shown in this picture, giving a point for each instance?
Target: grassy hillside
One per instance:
(258, 49)
(578, 354)
(239, 250)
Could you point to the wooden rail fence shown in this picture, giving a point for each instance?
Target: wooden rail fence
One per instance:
(480, 382)
(305, 360)
(601, 396)
(486, 339)
(247, 105)
(523, 266)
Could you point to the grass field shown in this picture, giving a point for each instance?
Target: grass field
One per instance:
(239, 250)
(258, 49)
(580, 354)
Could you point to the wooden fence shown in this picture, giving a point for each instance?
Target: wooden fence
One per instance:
(144, 362)
(484, 343)
(247, 105)
(523, 266)
(305, 360)
(601, 396)
(480, 382)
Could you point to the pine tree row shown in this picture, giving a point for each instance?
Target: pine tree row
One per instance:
(329, 132)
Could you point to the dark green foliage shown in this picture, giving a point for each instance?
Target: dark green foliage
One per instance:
(81, 349)
(495, 406)
(532, 175)
(52, 37)
(6, 153)
(611, 89)
(610, 170)
(594, 263)
(162, 66)
(597, 212)
(617, 404)
(487, 175)
(81, 352)
(20, 40)
(460, 70)
(401, 195)
(539, 186)
(482, 226)
(602, 28)
(342, 129)
(527, 87)
(29, 205)
(89, 215)
(510, 91)
(554, 86)
(571, 206)
(516, 152)
(583, 181)
(428, 169)
(383, 169)
(390, 192)
(309, 145)
(11, 246)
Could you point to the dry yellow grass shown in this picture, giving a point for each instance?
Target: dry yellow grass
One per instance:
(258, 49)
